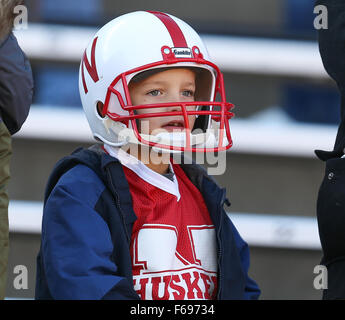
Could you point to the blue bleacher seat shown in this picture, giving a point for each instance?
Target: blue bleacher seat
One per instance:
(311, 103)
(299, 17)
(57, 86)
(307, 102)
(87, 12)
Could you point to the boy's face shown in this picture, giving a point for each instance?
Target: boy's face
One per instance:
(175, 85)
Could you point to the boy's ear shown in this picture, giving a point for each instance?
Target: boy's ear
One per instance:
(99, 107)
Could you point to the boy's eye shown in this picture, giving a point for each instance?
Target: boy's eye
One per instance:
(154, 93)
(188, 93)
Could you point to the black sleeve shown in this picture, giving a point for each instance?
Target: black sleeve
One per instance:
(332, 40)
(332, 51)
(331, 197)
(16, 84)
(336, 278)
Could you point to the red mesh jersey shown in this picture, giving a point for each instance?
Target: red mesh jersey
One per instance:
(173, 245)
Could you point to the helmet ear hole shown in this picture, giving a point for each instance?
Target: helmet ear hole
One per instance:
(99, 108)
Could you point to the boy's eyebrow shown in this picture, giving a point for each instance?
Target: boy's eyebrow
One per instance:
(189, 83)
(150, 82)
(162, 82)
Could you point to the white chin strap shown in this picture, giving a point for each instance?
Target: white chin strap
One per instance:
(175, 139)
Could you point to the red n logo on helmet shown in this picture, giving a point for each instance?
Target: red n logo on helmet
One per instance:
(173, 29)
(91, 69)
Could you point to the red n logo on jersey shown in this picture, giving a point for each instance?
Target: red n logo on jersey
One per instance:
(91, 69)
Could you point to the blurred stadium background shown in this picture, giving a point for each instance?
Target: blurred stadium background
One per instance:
(286, 106)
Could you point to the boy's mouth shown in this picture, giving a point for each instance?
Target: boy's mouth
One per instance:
(175, 125)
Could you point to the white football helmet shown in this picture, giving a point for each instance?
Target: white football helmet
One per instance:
(137, 42)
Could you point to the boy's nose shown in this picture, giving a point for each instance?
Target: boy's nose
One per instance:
(174, 98)
(174, 108)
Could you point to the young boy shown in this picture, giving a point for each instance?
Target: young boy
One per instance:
(124, 219)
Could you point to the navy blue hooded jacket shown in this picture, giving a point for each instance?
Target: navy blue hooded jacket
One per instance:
(86, 231)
